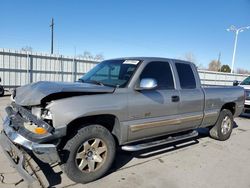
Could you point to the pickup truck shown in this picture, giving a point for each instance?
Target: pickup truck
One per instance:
(127, 103)
(246, 85)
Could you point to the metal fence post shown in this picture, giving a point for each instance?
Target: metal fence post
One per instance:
(27, 72)
(75, 70)
(31, 69)
(62, 69)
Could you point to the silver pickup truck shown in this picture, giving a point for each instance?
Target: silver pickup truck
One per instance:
(131, 103)
(246, 85)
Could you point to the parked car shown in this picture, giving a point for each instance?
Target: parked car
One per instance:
(128, 103)
(246, 85)
(1, 89)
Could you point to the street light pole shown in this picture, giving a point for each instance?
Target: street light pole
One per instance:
(237, 31)
(235, 46)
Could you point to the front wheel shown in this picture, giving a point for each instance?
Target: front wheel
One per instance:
(89, 154)
(223, 128)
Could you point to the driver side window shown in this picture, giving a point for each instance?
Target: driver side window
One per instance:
(161, 72)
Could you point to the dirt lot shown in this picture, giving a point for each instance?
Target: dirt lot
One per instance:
(201, 162)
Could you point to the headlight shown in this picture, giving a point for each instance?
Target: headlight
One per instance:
(34, 128)
(41, 113)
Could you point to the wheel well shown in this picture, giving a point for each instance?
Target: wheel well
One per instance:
(110, 122)
(230, 106)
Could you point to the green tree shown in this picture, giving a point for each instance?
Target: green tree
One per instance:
(225, 68)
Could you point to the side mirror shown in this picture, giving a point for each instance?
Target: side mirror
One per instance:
(236, 83)
(0, 79)
(147, 84)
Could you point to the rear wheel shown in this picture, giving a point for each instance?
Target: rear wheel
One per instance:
(223, 128)
(89, 154)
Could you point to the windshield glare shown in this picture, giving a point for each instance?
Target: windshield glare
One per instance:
(246, 81)
(115, 73)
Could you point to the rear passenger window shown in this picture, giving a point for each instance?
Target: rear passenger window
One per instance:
(186, 76)
(160, 71)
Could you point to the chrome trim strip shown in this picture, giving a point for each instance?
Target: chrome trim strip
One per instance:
(138, 127)
(211, 114)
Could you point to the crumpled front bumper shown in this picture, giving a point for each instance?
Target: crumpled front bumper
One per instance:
(14, 145)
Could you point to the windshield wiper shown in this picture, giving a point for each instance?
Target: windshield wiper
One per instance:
(91, 82)
(96, 82)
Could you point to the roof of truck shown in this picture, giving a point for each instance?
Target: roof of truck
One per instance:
(150, 59)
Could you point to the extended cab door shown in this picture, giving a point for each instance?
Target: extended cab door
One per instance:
(153, 112)
(191, 104)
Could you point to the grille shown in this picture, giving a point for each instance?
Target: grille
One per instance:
(247, 94)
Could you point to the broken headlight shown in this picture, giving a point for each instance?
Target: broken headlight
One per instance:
(46, 114)
(42, 113)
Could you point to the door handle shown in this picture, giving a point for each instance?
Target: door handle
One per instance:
(175, 98)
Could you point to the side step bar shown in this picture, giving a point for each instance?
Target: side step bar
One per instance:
(167, 140)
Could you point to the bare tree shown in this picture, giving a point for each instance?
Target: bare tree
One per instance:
(201, 67)
(90, 57)
(87, 55)
(242, 71)
(98, 57)
(214, 65)
(27, 49)
(190, 57)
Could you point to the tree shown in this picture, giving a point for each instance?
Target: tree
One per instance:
(214, 65)
(225, 68)
(27, 49)
(190, 57)
(89, 56)
(242, 71)
(98, 57)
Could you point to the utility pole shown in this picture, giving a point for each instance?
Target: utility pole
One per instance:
(52, 35)
(219, 56)
(219, 60)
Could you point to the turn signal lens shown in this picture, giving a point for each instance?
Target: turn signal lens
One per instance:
(40, 130)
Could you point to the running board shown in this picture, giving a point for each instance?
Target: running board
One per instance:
(167, 140)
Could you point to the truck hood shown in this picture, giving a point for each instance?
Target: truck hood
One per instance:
(43, 91)
(245, 86)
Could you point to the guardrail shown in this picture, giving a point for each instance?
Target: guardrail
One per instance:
(19, 68)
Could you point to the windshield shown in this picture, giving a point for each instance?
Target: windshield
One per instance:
(246, 81)
(115, 73)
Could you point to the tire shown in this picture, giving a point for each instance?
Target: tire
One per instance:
(223, 128)
(89, 154)
(1, 91)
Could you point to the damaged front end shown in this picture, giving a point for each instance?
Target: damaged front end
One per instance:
(21, 134)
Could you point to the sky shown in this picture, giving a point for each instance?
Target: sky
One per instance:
(126, 28)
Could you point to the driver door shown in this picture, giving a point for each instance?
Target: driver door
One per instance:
(153, 112)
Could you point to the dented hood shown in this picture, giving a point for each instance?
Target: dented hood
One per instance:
(36, 93)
